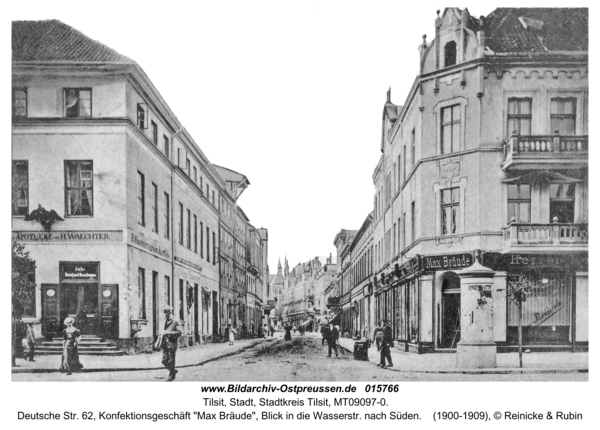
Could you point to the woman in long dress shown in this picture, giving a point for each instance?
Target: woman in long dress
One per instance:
(288, 335)
(231, 334)
(70, 358)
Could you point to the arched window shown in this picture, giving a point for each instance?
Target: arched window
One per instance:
(450, 54)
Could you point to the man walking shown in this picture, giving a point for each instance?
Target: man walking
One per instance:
(324, 330)
(386, 343)
(170, 335)
(332, 338)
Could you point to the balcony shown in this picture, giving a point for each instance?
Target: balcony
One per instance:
(542, 152)
(520, 237)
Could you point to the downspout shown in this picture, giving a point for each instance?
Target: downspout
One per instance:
(172, 155)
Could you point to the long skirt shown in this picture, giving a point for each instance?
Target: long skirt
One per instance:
(231, 336)
(288, 335)
(70, 360)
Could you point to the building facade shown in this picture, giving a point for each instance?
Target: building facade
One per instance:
(128, 216)
(486, 160)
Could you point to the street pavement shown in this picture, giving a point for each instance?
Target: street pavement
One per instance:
(311, 366)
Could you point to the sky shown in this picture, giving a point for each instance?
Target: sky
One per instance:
(289, 93)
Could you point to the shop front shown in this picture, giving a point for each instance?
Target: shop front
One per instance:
(80, 295)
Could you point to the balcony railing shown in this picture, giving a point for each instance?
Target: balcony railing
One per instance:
(546, 234)
(539, 147)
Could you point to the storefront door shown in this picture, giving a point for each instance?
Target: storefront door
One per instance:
(80, 301)
(450, 327)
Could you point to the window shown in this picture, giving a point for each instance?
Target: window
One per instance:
(450, 129)
(213, 198)
(207, 191)
(450, 54)
(189, 229)
(412, 144)
(214, 249)
(201, 240)
(562, 203)
(142, 115)
(519, 203)
(195, 234)
(20, 188)
(155, 208)
(167, 216)
(168, 292)
(141, 202)
(399, 171)
(142, 292)
(78, 102)
(154, 133)
(79, 188)
(519, 116)
(200, 183)
(450, 206)
(187, 167)
(195, 177)
(180, 224)
(413, 222)
(404, 165)
(207, 244)
(167, 151)
(20, 103)
(562, 116)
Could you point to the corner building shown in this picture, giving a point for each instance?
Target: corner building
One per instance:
(487, 159)
(94, 141)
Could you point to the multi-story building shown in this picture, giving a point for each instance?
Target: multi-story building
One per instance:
(128, 204)
(487, 159)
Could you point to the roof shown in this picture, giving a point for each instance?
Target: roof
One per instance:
(537, 29)
(230, 175)
(53, 40)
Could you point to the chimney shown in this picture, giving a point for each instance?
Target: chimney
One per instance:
(481, 36)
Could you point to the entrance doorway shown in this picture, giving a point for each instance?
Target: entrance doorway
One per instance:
(80, 301)
(450, 318)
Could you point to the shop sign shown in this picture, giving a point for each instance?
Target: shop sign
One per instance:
(411, 266)
(447, 262)
(80, 271)
(187, 275)
(88, 236)
(523, 261)
(148, 245)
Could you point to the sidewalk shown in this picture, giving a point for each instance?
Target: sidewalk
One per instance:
(535, 362)
(191, 356)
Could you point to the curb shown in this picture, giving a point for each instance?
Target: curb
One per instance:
(499, 371)
(133, 369)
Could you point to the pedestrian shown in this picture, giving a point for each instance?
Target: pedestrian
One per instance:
(17, 332)
(288, 335)
(253, 328)
(30, 337)
(386, 343)
(70, 358)
(170, 335)
(378, 334)
(244, 330)
(333, 335)
(272, 329)
(324, 330)
(231, 334)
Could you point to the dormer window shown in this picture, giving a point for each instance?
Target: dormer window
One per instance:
(450, 54)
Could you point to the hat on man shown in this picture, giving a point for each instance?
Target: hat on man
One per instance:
(168, 309)
(69, 320)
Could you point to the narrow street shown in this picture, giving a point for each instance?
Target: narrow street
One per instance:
(302, 359)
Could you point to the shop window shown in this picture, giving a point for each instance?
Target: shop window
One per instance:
(79, 188)
(154, 133)
(141, 199)
(142, 292)
(519, 116)
(20, 188)
(562, 116)
(519, 203)
(19, 103)
(78, 102)
(450, 54)
(142, 116)
(450, 205)
(451, 123)
(562, 203)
